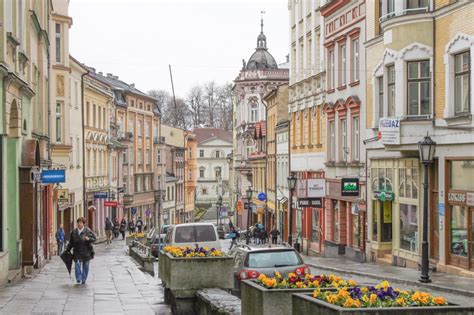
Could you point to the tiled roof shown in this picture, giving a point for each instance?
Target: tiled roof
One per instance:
(205, 134)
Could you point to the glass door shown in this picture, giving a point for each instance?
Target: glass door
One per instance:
(386, 221)
(434, 227)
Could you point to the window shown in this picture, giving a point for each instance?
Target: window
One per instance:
(253, 113)
(201, 173)
(88, 105)
(139, 156)
(332, 140)
(140, 128)
(94, 113)
(78, 152)
(391, 91)
(331, 73)
(408, 183)
(459, 230)
(335, 213)
(355, 139)
(343, 140)
(342, 65)
(408, 227)
(58, 42)
(104, 116)
(59, 122)
(320, 126)
(218, 154)
(148, 156)
(315, 226)
(415, 4)
(462, 73)
(312, 115)
(380, 88)
(355, 60)
(218, 172)
(390, 7)
(158, 156)
(204, 191)
(99, 121)
(76, 94)
(419, 88)
(130, 124)
(168, 193)
(147, 129)
(71, 154)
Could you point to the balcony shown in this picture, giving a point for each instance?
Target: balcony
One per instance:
(125, 136)
(404, 15)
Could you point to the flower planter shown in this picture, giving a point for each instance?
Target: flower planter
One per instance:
(304, 303)
(129, 240)
(258, 300)
(182, 277)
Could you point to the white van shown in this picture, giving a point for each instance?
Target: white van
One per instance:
(192, 234)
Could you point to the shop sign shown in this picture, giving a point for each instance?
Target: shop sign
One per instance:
(350, 187)
(109, 203)
(53, 176)
(390, 130)
(457, 197)
(384, 195)
(134, 211)
(316, 188)
(470, 199)
(148, 213)
(310, 202)
(63, 196)
(100, 195)
(262, 196)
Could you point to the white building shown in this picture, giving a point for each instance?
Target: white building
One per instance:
(213, 146)
(283, 169)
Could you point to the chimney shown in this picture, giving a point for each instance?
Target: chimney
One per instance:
(92, 69)
(288, 58)
(132, 85)
(115, 77)
(110, 75)
(100, 73)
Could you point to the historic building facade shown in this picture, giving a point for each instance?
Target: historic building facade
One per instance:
(418, 84)
(282, 174)
(344, 25)
(259, 75)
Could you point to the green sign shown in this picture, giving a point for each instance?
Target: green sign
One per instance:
(350, 187)
(383, 195)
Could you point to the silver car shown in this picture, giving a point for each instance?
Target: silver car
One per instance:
(251, 261)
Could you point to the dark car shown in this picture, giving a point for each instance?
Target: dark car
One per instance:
(156, 244)
(251, 261)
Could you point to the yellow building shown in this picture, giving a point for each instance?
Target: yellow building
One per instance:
(190, 185)
(277, 111)
(419, 81)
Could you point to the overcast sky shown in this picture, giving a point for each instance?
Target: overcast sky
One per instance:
(202, 39)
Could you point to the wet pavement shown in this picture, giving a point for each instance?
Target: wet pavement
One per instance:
(115, 285)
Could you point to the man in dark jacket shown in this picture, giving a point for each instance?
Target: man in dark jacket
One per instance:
(123, 228)
(60, 239)
(81, 242)
(139, 225)
(274, 232)
(109, 226)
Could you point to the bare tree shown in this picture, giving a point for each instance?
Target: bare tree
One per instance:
(225, 104)
(195, 101)
(172, 114)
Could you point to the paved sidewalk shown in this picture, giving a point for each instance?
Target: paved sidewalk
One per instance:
(404, 276)
(115, 285)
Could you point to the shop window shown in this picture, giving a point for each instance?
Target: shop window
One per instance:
(408, 179)
(335, 213)
(375, 221)
(315, 226)
(386, 217)
(459, 236)
(409, 227)
(462, 173)
(355, 228)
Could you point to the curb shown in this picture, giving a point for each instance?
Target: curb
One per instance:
(395, 280)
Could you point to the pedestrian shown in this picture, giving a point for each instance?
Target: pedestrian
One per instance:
(274, 232)
(139, 225)
(60, 239)
(256, 234)
(234, 235)
(263, 236)
(123, 227)
(109, 226)
(81, 243)
(131, 227)
(116, 228)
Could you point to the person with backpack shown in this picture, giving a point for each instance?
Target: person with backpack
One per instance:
(233, 235)
(109, 226)
(123, 228)
(131, 227)
(80, 243)
(60, 239)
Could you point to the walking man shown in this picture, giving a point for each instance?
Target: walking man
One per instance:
(81, 243)
(234, 235)
(60, 238)
(131, 227)
(274, 232)
(139, 225)
(116, 228)
(109, 226)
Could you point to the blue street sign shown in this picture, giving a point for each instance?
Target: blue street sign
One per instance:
(134, 211)
(101, 195)
(53, 176)
(262, 196)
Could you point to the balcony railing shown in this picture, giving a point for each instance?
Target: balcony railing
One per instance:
(403, 12)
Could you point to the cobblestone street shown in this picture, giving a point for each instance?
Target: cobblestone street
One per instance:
(115, 285)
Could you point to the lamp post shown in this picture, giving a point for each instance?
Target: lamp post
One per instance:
(218, 208)
(426, 148)
(291, 187)
(249, 192)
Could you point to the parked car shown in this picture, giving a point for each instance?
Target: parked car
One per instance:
(156, 244)
(193, 234)
(251, 261)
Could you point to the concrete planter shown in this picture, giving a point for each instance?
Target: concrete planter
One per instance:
(129, 240)
(306, 304)
(258, 300)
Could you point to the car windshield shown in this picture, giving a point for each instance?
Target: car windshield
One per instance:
(271, 259)
(195, 234)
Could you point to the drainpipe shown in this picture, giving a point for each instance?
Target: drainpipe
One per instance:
(84, 195)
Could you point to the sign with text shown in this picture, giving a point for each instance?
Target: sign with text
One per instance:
(457, 197)
(310, 202)
(53, 176)
(101, 195)
(470, 199)
(109, 203)
(384, 195)
(63, 196)
(390, 130)
(316, 188)
(350, 187)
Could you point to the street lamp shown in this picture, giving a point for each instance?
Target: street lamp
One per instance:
(218, 208)
(249, 192)
(427, 151)
(291, 187)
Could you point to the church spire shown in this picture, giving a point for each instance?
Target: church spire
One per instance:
(261, 39)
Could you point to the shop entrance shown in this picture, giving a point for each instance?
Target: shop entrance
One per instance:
(385, 215)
